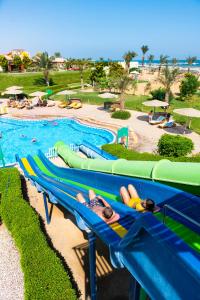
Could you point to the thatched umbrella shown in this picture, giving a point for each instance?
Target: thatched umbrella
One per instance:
(37, 94)
(14, 87)
(107, 95)
(67, 93)
(188, 112)
(156, 103)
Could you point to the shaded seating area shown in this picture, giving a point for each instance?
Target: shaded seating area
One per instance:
(167, 124)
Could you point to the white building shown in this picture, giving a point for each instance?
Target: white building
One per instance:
(133, 64)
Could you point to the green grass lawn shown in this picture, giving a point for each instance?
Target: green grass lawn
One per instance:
(71, 80)
(62, 80)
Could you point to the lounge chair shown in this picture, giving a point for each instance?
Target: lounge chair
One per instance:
(3, 110)
(62, 105)
(168, 124)
(159, 120)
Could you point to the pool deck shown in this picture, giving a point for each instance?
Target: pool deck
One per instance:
(144, 137)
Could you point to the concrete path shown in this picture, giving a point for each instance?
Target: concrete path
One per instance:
(11, 276)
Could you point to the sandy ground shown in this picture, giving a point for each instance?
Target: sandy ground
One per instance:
(11, 276)
(147, 135)
(73, 246)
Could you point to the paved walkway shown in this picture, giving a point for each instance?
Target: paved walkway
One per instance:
(148, 135)
(11, 276)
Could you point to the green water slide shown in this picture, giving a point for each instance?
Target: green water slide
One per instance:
(185, 176)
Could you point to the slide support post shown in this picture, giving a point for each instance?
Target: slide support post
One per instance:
(92, 258)
(134, 289)
(46, 207)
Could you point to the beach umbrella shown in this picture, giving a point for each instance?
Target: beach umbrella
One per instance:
(107, 95)
(14, 87)
(188, 112)
(13, 92)
(37, 94)
(155, 103)
(67, 93)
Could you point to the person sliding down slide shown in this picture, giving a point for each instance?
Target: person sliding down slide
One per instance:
(98, 205)
(131, 198)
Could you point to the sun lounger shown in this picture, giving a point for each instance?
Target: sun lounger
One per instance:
(168, 124)
(62, 105)
(3, 110)
(157, 121)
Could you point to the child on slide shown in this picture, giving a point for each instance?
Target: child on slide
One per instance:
(131, 198)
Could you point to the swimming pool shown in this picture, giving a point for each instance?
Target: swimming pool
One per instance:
(26, 136)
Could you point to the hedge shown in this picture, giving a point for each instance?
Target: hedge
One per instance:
(121, 152)
(44, 274)
(174, 145)
(121, 114)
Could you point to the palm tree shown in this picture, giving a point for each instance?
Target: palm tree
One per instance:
(190, 61)
(167, 79)
(163, 61)
(174, 61)
(150, 59)
(128, 56)
(45, 64)
(57, 54)
(122, 84)
(144, 49)
(82, 64)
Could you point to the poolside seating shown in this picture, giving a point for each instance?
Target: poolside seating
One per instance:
(159, 120)
(62, 105)
(74, 103)
(21, 105)
(3, 110)
(168, 124)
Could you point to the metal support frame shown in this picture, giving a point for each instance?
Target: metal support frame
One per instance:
(92, 262)
(134, 289)
(46, 207)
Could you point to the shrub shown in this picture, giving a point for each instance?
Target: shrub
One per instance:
(44, 275)
(41, 81)
(189, 85)
(121, 114)
(174, 146)
(121, 152)
(159, 94)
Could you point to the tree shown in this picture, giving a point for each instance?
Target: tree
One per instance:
(17, 62)
(3, 63)
(45, 63)
(128, 56)
(174, 61)
(97, 73)
(147, 88)
(189, 85)
(115, 70)
(123, 84)
(150, 59)
(82, 64)
(190, 61)
(144, 49)
(26, 61)
(167, 79)
(57, 54)
(163, 61)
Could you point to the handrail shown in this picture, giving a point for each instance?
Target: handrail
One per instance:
(166, 206)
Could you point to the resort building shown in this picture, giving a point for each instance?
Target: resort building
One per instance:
(133, 64)
(10, 58)
(59, 63)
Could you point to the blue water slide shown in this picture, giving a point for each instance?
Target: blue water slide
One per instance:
(164, 265)
(94, 152)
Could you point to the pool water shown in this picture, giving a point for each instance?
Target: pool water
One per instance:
(25, 137)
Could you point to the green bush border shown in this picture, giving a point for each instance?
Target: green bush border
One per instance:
(121, 152)
(44, 274)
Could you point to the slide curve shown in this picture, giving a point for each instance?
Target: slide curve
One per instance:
(182, 175)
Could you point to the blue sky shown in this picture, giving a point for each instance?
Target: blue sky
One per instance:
(107, 28)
